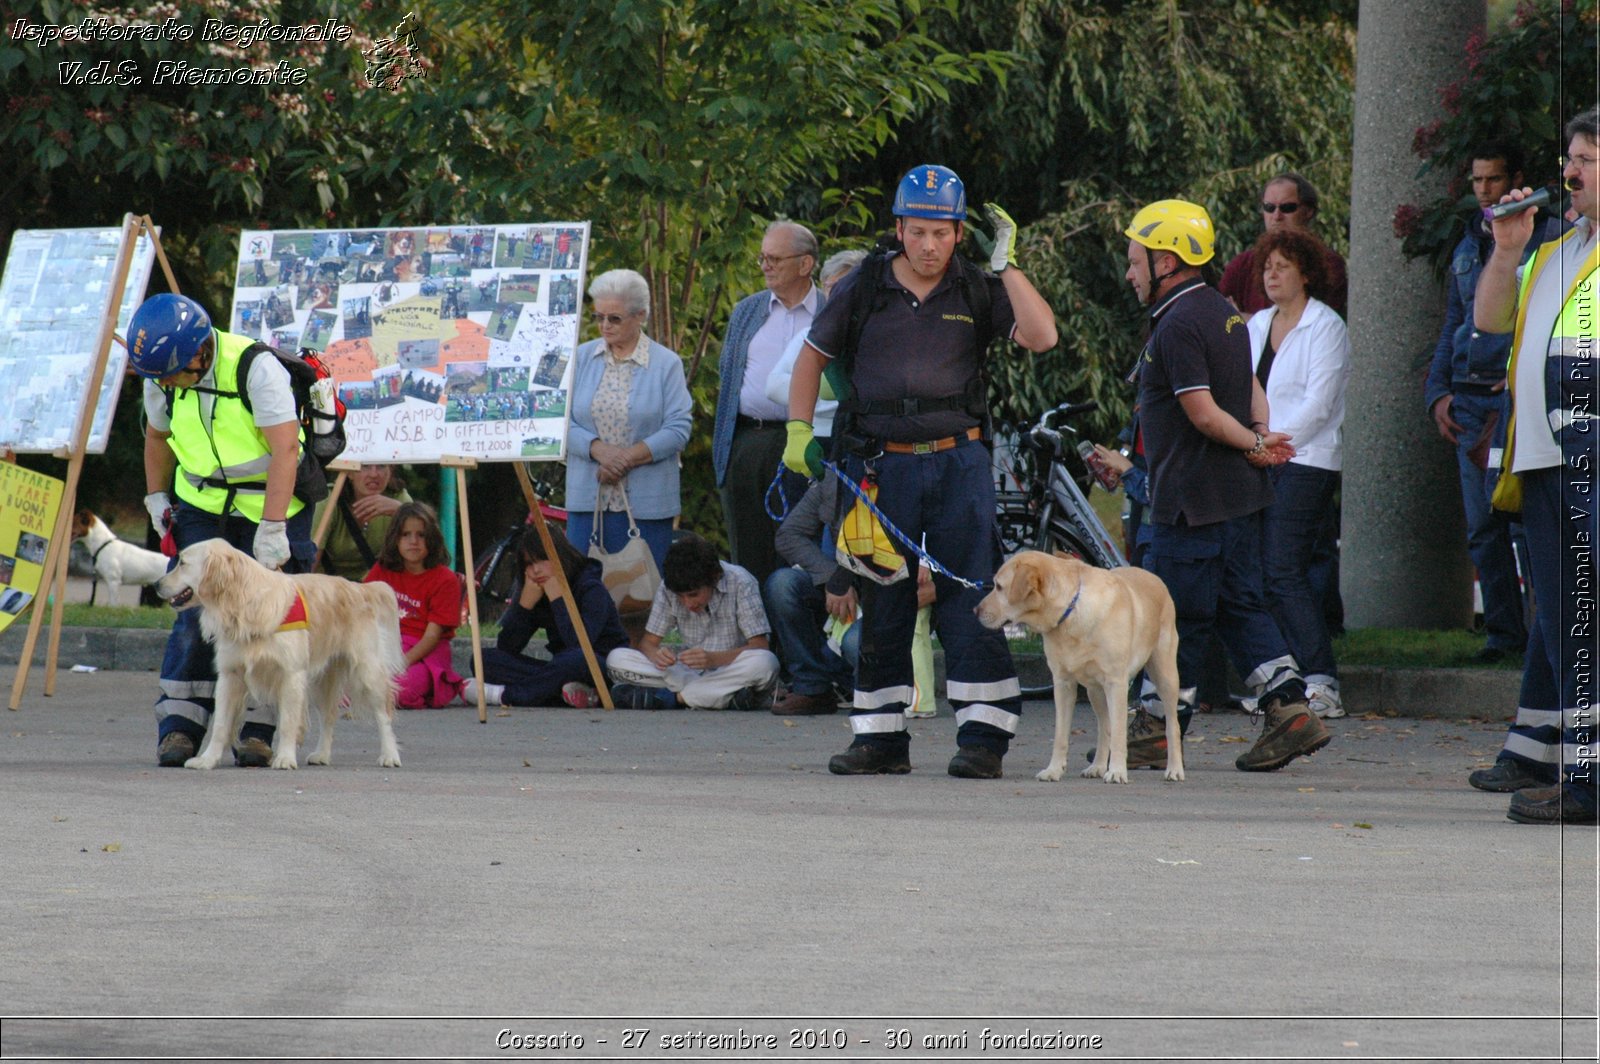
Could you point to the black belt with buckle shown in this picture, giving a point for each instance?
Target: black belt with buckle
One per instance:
(744, 421)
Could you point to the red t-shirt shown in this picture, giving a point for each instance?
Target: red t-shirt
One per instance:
(433, 596)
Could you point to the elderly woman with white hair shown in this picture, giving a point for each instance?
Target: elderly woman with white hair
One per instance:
(630, 418)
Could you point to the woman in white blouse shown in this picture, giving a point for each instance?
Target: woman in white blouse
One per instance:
(1301, 353)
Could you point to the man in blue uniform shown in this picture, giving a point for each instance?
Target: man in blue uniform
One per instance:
(903, 339)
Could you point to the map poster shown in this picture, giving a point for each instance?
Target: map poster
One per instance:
(29, 504)
(53, 299)
(444, 341)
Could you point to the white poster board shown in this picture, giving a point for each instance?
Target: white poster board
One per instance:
(53, 300)
(446, 341)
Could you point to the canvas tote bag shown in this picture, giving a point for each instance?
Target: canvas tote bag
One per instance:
(630, 574)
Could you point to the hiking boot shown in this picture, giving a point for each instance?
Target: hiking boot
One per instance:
(1290, 730)
(638, 696)
(1507, 775)
(795, 704)
(1555, 804)
(580, 695)
(176, 748)
(976, 763)
(870, 759)
(252, 753)
(1147, 741)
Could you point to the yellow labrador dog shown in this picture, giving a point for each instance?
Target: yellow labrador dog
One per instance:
(1100, 628)
(278, 635)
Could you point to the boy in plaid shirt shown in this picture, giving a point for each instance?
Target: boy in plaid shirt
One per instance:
(724, 662)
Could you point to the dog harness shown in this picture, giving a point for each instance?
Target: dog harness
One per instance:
(296, 619)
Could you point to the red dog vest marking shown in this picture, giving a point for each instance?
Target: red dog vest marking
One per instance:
(296, 617)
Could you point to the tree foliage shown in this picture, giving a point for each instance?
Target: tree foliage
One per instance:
(1521, 85)
(1110, 107)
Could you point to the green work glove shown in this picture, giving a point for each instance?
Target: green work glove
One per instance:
(834, 384)
(1003, 252)
(803, 454)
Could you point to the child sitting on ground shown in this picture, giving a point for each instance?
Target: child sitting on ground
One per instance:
(513, 679)
(724, 662)
(413, 562)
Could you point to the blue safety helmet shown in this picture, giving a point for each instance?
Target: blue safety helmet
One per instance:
(931, 192)
(165, 334)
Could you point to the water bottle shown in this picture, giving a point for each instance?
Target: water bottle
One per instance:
(1098, 468)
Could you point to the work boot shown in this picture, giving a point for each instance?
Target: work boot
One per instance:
(176, 748)
(1147, 739)
(976, 763)
(253, 752)
(1290, 730)
(1507, 775)
(870, 759)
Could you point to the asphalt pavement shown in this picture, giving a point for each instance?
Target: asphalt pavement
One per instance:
(552, 883)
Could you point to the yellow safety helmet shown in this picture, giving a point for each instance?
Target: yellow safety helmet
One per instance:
(1178, 226)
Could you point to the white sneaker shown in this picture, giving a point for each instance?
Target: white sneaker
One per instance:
(1324, 701)
(493, 693)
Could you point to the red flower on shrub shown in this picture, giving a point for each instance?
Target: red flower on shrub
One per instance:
(1406, 219)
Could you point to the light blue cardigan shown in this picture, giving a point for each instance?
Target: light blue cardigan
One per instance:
(659, 410)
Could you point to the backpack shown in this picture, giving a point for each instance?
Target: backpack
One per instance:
(316, 404)
(868, 296)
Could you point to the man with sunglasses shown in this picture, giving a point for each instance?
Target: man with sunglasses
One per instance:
(1548, 474)
(1288, 202)
(230, 469)
(748, 437)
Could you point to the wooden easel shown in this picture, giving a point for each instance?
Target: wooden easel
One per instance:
(54, 588)
(345, 467)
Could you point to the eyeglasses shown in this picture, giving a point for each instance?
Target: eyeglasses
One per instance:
(772, 260)
(1273, 208)
(1581, 160)
(611, 319)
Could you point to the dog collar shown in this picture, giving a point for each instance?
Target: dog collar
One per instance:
(1071, 605)
(295, 619)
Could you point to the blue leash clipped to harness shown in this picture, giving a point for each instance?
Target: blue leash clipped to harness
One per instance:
(923, 556)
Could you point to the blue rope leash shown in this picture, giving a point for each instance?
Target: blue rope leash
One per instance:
(923, 556)
(783, 497)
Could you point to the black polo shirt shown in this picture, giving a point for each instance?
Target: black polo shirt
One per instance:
(1197, 340)
(912, 349)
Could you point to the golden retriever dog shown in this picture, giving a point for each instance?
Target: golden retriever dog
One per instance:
(278, 636)
(1100, 627)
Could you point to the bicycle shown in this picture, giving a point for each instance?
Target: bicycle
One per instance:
(497, 570)
(1051, 511)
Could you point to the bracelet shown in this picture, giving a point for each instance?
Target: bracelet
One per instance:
(1260, 448)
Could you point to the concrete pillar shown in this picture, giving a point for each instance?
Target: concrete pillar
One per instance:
(1404, 561)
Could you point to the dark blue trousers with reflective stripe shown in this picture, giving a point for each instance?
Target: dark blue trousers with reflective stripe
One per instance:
(949, 498)
(1555, 725)
(1214, 575)
(189, 668)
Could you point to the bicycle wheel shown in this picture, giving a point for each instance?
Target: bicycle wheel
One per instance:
(1058, 538)
(1018, 526)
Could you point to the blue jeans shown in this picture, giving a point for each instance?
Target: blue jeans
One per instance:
(797, 609)
(1488, 534)
(1302, 497)
(1214, 575)
(189, 668)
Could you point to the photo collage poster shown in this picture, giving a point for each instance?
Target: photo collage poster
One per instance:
(445, 341)
(53, 299)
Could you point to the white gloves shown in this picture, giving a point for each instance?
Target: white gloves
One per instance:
(272, 543)
(159, 506)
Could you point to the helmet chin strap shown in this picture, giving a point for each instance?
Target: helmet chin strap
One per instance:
(1155, 278)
